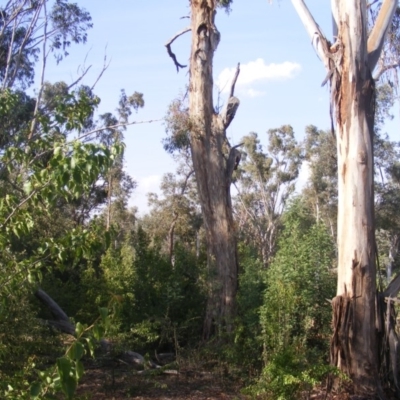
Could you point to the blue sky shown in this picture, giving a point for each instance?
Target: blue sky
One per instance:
(280, 80)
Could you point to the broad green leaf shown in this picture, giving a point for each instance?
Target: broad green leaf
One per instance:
(79, 329)
(63, 367)
(79, 370)
(36, 387)
(91, 346)
(98, 332)
(76, 351)
(69, 385)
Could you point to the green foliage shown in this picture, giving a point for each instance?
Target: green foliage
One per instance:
(161, 302)
(321, 189)
(295, 317)
(68, 370)
(178, 127)
(226, 4)
(43, 182)
(24, 28)
(288, 374)
(266, 180)
(246, 350)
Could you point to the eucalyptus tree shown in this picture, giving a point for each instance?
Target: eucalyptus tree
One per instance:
(320, 190)
(265, 180)
(175, 216)
(118, 184)
(350, 62)
(29, 29)
(214, 161)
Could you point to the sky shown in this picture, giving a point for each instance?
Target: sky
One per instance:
(279, 83)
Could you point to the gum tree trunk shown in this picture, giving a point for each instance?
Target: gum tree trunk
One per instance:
(354, 345)
(213, 169)
(357, 321)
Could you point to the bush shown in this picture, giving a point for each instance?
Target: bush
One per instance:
(295, 316)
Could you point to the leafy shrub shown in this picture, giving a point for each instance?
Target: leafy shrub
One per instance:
(295, 316)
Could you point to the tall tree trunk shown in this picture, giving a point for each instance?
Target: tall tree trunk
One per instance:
(354, 343)
(213, 170)
(358, 319)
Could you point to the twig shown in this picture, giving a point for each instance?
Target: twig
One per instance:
(384, 69)
(105, 67)
(170, 53)
(44, 62)
(92, 132)
(16, 208)
(234, 80)
(116, 126)
(80, 78)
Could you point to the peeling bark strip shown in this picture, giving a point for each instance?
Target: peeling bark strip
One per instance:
(349, 63)
(209, 147)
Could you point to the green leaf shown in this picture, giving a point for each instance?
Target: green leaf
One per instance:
(36, 388)
(28, 187)
(57, 151)
(76, 351)
(16, 230)
(65, 178)
(69, 385)
(91, 346)
(63, 367)
(79, 329)
(79, 370)
(104, 313)
(98, 332)
(77, 176)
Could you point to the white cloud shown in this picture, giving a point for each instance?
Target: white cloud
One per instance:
(254, 93)
(149, 183)
(146, 185)
(257, 71)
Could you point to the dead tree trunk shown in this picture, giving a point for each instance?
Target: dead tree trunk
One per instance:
(213, 162)
(349, 63)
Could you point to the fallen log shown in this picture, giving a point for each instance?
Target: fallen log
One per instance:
(63, 324)
(61, 320)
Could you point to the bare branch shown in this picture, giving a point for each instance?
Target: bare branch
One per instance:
(377, 36)
(170, 53)
(235, 79)
(105, 67)
(80, 78)
(117, 126)
(44, 61)
(313, 30)
(384, 69)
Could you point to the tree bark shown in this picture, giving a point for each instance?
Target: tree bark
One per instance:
(354, 343)
(357, 316)
(213, 170)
